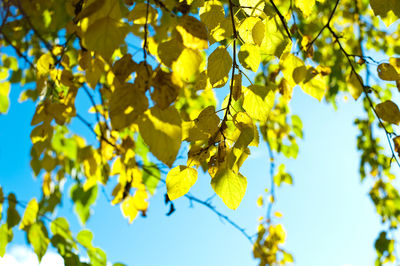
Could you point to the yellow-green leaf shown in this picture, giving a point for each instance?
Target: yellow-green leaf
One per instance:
(389, 112)
(249, 57)
(355, 85)
(4, 96)
(230, 186)
(38, 238)
(218, 66)
(179, 181)
(161, 130)
(258, 101)
(30, 214)
(305, 6)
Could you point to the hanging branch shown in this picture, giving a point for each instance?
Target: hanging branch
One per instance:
(365, 90)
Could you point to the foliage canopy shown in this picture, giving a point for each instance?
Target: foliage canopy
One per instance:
(156, 102)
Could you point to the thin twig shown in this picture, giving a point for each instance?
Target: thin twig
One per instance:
(353, 70)
(271, 173)
(309, 45)
(282, 18)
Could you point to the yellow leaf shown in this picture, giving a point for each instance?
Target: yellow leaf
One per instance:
(188, 64)
(258, 102)
(387, 72)
(179, 181)
(257, 4)
(388, 111)
(165, 89)
(230, 186)
(169, 51)
(275, 39)
(218, 66)
(138, 14)
(314, 84)
(30, 214)
(252, 30)
(4, 98)
(212, 13)
(249, 57)
(386, 8)
(237, 87)
(128, 209)
(44, 64)
(94, 71)
(193, 32)
(355, 85)
(305, 6)
(126, 104)
(396, 142)
(161, 131)
(46, 186)
(104, 36)
(288, 64)
(208, 121)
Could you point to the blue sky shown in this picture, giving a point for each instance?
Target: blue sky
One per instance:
(328, 216)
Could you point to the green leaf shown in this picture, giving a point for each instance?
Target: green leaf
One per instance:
(249, 57)
(230, 186)
(38, 237)
(258, 101)
(218, 66)
(388, 111)
(161, 131)
(30, 214)
(4, 96)
(82, 201)
(179, 181)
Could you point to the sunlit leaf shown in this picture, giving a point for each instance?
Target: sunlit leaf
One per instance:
(179, 180)
(230, 186)
(388, 111)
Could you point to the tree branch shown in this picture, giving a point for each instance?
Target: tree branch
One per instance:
(282, 19)
(353, 70)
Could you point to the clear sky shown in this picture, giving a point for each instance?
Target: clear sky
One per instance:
(328, 216)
